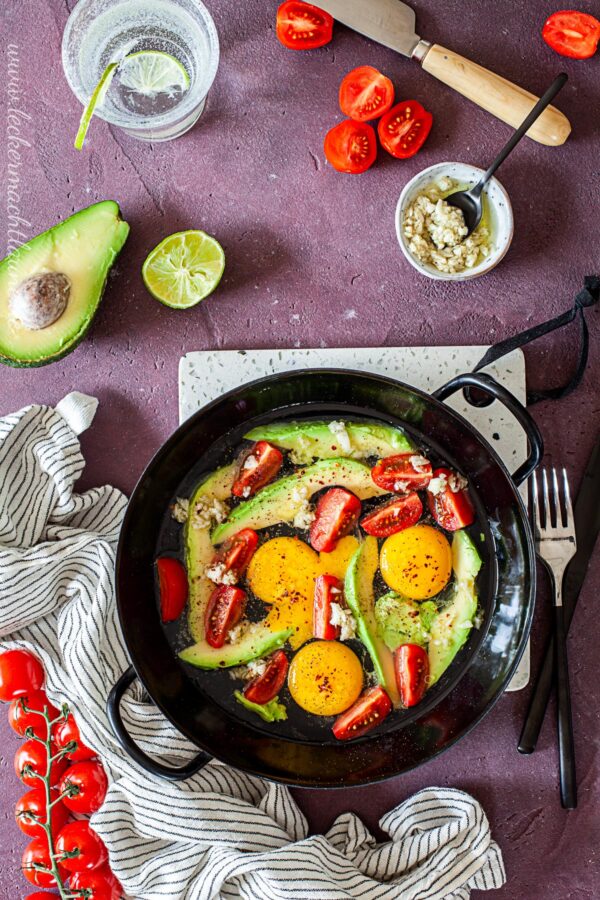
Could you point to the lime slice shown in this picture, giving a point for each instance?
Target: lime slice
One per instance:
(97, 99)
(150, 72)
(184, 269)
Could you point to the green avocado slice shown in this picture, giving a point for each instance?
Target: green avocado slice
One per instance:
(83, 248)
(315, 440)
(273, 711)
(258, 641)
(404, 621)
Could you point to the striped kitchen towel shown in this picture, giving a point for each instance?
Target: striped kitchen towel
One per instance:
(233, 835)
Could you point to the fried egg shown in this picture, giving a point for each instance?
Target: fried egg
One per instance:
(417, 562)
(325, 677)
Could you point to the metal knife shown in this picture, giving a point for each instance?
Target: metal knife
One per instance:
(393, 24)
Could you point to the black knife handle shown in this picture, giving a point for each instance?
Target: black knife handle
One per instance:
(566, 747)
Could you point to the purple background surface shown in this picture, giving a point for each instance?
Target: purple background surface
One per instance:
(312, 259)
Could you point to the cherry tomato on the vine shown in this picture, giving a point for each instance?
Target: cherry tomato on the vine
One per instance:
(20, 673)
(100, 883)
(84, 787)
(32, 758)
(36, 854)
(87, 847)
(66, 732)
(31, 812)
(20, 718)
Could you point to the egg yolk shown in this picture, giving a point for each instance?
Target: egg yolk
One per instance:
(325, 678)
(416, 562)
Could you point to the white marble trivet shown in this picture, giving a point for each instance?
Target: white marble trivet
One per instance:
(206, 374)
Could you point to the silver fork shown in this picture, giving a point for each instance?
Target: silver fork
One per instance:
(556, 544)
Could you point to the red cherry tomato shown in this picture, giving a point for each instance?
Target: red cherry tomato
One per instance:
(452, 510)
(370, 710)
(336, 515)
(65, 733)
(258, 467)
(225, 609)
(20, 673)
(236, 553)
(84, 787)
(173, 585)
(100, 884)
(78, 836)
(302, 26)
(398, 473)
(31, 812)
(36, 854)
(266, 686)
(404, 129)
(394, 516)
(31, 758)
(40, 895)
(411, 664)
(328, 590)
(351, 147)
(20, 719)
(365, 94)
(572, 33)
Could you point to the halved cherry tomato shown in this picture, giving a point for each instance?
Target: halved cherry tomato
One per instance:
(572, 33)
(225, 609)
(328, 590)
(351, 147)
(91, 851)
(65, 733)
(20, 673)
(365, 94)
(84, 787)
(394, 516)
(31, 811)
(411, 664)
(370, 710)
(302, 26)
(398, 473)
(173, 584)
(258, 467)
(452, 510)
(266, 686)
(20, 719)
(36, 854)
(236, 553)
(336, 515)
(404, 129)
(31, 758)
(99, 884)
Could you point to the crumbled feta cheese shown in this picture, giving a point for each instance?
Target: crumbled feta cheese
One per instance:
(253, 669)
(457, 483)
(180, 510)
(341, 617)
(338, 429)
(400, 487)
(250, 462)
(246, 491)
(304, 516)
(438, 485)
(207, 511)
(237, 631)
(220, 575)
(419, 463)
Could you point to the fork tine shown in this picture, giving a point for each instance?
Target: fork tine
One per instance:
(547, 518)
(567, 493)
(557, 504)
(535, 500)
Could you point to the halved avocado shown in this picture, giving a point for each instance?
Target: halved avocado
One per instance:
(315, 440)
(50, 287)
(258, 641)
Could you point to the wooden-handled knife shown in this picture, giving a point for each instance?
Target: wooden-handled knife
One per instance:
(393, 24)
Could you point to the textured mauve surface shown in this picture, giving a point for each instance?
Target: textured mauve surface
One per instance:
(312, 258)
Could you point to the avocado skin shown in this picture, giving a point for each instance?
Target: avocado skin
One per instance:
(113, 253)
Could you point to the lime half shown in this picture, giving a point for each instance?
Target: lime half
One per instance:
(150, 72)
(184, 269)
(95, 100)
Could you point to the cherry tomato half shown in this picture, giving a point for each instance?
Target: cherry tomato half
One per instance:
(302, 26)
(225, 609)
(31, 758)
(91, 851)
(266, 686)
(31, 811)
(370, 710)
(398, 514)
(173, 587)
(328, 590)
(20, 719)
(236, 553)
(399, 474)
(351, 147)
(84, 787)
(336, 515)
(411, 665)
(65, 733)
(20, 673)
(572, 33)
(404, 129)
(365, 94)
(258, 467)
(100, 884)
(36, 854)
(452, 510)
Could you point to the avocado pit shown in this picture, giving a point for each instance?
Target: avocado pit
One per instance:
(40, 300)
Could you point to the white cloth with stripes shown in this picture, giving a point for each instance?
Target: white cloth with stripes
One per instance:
(221, 834)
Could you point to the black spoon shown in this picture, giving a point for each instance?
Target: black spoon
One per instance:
(470, 202)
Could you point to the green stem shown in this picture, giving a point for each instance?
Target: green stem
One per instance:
(62, 889)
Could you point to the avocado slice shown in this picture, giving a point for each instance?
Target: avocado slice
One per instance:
(50, 287)
(453, 623)
(358, 591)
(284, 498)
(273, 711)
(404, 621)
(258, 641)
(315, 440)
(199, 549)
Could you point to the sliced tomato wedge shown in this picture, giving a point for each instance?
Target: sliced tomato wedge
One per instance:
(394, 516)
(328, 590)
(411, 665)
(404, 129)
(572, 33)
(173, 585)
(336, 515)
(258, 467)
(400, 475)
(302, 26)
(236, 553)
(225, 609)
(266, 686)
(370, 710)
(365, 94)
(351, 147)
(452, 509)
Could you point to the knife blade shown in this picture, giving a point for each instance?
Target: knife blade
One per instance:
(388, 22)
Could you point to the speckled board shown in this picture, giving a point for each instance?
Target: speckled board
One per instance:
(205, 375)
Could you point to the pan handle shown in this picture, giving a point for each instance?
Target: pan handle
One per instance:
(171, 773)
(492, 389)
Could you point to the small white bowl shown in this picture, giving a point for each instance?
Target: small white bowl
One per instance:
(500, 216)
